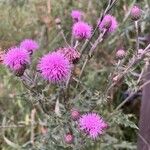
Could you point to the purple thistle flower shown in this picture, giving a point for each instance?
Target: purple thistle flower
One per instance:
(30, 45)
(135, 13)
(108, 23)
(16, 59)
(70, 53)
(92, 124)
(82, 30)
(76, 15)
(55, 67)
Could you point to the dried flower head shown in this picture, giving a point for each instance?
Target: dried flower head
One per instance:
(70, 53)
(58, 21)
(76, 15)
(69, 138)
(75, 114)
(108, 23)
(120, 54)
(82, 30)
(55, 67)
(140, 51)
(17, 59)
(135, 13)
(92, 124)
(30, 45)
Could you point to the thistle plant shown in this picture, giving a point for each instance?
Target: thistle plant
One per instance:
(76, 115)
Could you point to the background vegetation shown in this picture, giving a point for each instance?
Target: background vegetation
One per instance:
(20, 19)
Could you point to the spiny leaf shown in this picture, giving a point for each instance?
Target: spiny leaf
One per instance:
(124, 119)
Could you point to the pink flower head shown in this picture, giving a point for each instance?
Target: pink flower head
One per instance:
(70, 53)
(82, 30)
(120, 54)
(75, 114)
(108, 23)
(69, 138)
(135, 13)
(16, 59)
(76, 15)
(55, 67)
(30, 45)
(92, 124)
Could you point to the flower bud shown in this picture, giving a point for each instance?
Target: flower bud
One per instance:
(19, 72)
(120, 54)
(109, 22)
(58, 21)
(72, 54)
(75, 114)
(135, 13)
(69, 138)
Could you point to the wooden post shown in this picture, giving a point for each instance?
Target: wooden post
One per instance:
(144, 123)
